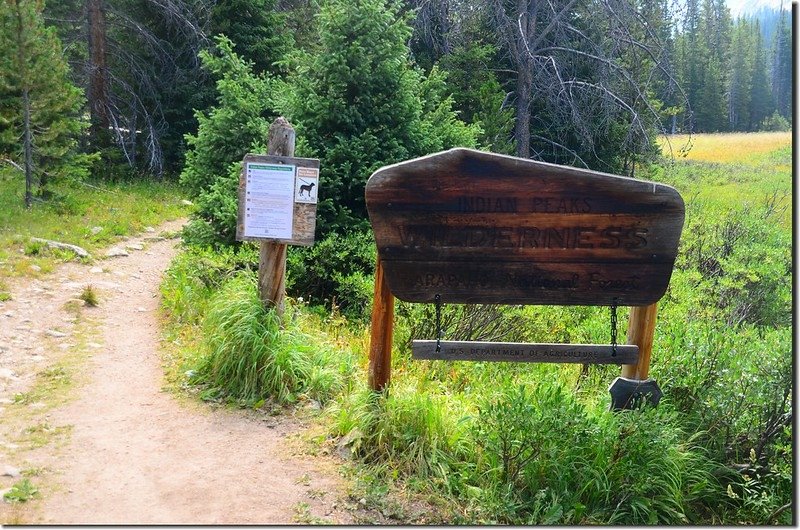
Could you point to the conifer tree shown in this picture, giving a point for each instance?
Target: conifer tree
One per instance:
(761, 102)
(357, 103)
(39, 108)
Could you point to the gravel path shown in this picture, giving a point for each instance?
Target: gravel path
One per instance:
(133, 453)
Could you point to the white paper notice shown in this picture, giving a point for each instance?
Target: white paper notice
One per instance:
(269, 201)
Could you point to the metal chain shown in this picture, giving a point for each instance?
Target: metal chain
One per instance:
(614, 327)
(438, 300)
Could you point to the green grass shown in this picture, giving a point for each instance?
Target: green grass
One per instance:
(511, 443)
(734, 170)
(22, 491)
(71, 214)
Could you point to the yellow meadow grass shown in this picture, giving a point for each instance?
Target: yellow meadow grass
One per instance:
(725, 147)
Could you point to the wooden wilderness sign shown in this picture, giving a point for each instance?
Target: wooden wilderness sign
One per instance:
(278, 199)
(477, 227)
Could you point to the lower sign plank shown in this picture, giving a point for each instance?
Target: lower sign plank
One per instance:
(524, 352)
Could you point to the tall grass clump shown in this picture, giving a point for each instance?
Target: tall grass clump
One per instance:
(543, 458)
(196, 274)
(250, 357)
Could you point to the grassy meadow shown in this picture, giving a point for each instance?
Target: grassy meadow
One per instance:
(486, 443)
(88, 214)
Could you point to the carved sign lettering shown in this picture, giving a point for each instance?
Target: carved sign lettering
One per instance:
(477, 227)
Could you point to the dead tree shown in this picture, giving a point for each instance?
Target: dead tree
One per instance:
(587, 66)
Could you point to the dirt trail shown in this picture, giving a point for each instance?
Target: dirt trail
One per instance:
(134, 453)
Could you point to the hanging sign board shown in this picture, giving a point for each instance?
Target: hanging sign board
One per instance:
(477, 227)
(525, 352)
(278, 199)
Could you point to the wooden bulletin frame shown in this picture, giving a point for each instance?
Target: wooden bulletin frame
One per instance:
(304, 218)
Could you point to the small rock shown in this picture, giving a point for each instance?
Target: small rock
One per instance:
(149, 229)
(96, 230)
(54, 333)
(6, 401)
(113, 252)
(187, 203)
(37, 358)
(141, 310)
(134, 246)
(36, 268)
(94, 345)
(362, 501)
(154, 238)
(96, 270)
(7, 373)
(8, 314)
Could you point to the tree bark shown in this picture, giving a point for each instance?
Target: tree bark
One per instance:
(98, 74)
(27, 146)
(522, 126)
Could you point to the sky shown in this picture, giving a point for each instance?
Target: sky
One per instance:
(740, 7)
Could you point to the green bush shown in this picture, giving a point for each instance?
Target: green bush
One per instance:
(237, 125)
(776, 123)
(252, 357)
(337, 271)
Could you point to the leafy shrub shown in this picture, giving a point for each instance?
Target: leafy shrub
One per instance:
(251, 357)
(776, 123)
(741, 261)
(544, 459)
(337, 271)
(237, 125)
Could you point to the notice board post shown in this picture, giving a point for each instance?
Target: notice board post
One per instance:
(277, 207)
(272, 256)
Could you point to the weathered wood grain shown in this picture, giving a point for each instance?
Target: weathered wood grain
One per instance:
(483, 228)
(523, 352)
(641, 331)
(381, 331)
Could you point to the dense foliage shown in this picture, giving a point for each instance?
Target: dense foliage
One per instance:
(506, 443)
(40, 121)
(359, 104)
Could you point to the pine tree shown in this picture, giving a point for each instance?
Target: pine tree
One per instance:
(761, 102)
(236, 125)
(39, 108)
(741, 76)
(782, 68)
(358, 104)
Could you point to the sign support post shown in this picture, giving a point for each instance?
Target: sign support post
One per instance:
(381, 331)
(272, 256)
(633, 385)
(641, 328)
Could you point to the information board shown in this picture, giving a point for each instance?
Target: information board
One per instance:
(276, 201)
(478, 227)
(269, 201)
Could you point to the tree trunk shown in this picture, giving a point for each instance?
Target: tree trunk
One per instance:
(27, 144)
(522, 127)
(98, 74)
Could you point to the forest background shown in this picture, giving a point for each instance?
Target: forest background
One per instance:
(97, 93)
